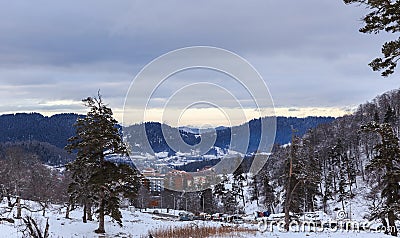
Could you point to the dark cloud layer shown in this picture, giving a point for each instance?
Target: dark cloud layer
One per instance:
(309, 52)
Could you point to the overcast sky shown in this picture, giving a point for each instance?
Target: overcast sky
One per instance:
(309, 52)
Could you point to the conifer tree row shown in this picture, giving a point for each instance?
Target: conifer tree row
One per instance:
(387, 162)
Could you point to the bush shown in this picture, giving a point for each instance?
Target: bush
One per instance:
(195, 231)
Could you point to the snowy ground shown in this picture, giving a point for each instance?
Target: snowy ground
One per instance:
(137, 224)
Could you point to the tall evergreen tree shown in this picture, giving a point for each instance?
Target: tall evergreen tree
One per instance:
(254, 190)
(312, 172)
(387, 160)
(95, 179)
(345, 171)
(238, 183)
(293, 179)
(268, 192)
(230, 203)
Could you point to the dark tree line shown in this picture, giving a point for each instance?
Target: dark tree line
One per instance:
(54, 130)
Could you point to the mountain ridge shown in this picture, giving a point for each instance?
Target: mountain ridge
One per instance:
(57, 129)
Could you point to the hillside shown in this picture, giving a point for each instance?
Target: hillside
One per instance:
(43, 151)
(54, 130)
(154, 134)
(332, 167)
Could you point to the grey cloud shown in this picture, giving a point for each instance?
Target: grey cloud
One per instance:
(65, 33)
(309, 52)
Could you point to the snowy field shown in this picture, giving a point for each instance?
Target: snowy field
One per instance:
(138, 224)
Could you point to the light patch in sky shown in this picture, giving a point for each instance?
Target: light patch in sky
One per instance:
(60, 103)
(313, 111)
(218, 116)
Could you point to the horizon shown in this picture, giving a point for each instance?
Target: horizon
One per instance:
(194, 126)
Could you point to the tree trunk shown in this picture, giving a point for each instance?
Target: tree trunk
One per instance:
(392, 224)
(289, 184)
(19, 209)
(334, 180)
(89, 212)
(67, 211)
(101, 218)
(288, 200)
(84, 213)
(44, 206)
(243, 198)
(343, 208)
(9, 200)
(287, 203)
(101, 214)
(46, 230)
(384, 222)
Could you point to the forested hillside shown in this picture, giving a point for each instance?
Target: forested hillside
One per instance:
(54, 130)
(42, 151)
(335, 166)
(156, 138)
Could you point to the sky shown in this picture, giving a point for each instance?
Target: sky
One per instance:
(309, 53)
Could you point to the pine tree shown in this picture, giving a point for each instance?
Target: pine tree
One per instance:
(238, 183)
(230, 202)
(390, 116)
(384, 16)
(80, 190)
(303, 175)
(311, 172)
(268, 191)
(96, 180)
(387, 161)
(254, 190)
(339, 158)
(219, 189)
(292, 179)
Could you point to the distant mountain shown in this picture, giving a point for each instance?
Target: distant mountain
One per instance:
(195, 130)
(54, 130)
(156, 133)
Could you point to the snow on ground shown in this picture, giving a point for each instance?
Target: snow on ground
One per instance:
(136, 224)
(322, 235)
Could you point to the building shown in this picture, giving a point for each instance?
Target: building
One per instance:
(153, 180)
